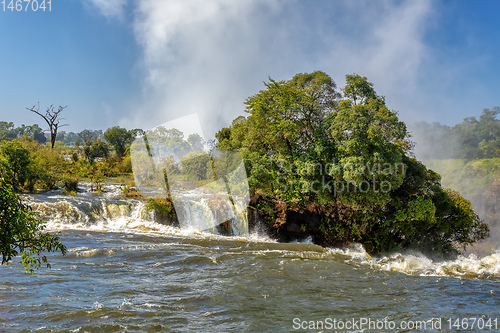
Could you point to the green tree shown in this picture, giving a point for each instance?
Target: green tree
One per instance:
(223, 137)
(92, 147)
(371, 142)
(15, 161)
(120, 138)
(97, 149)
(358, 89)
(195, 142)
(277, 121)
(33, 132)
(168, 142)
(423, 215)
(196, 166)
(7, 131)
(21, 232)
(349, 159)
(47, 168)
(69, 139)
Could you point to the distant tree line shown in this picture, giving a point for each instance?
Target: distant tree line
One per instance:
(28, 162)
(9, 132)
(471, 139)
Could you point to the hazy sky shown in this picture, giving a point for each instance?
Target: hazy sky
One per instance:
(140, 63)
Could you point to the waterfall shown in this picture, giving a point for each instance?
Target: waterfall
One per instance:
(240, 223)
(61, 212)
(201, 211)
(208, 188)
(196, 210)
(82, 210)
(195, 214)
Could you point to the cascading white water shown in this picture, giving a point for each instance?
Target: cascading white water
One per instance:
(62, 212)
(82, 211)
(198, 216)
(213, 188)
(240, 221)
(199, 212)
(106, 213)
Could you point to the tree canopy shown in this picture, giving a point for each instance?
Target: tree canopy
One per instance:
(304, 144)
(120, 138)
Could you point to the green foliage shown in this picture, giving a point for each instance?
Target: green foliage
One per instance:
(95, 149)
(47, 168)
(95, 172)
(306, 149)
(177, 159)
(68, 139)
(369, 152)
(425, 216)
(15, 161)
(195, 142)
(130, 192)
(162, 206)
(471, 139)
(28, 165)
(303, 147)
(169, 142)
(21, 233)
(479, 182)
(260, 175)
(120, 138)
(358, 89)
(71, 184)
(7, 131)
(32, 132)
(196, 167)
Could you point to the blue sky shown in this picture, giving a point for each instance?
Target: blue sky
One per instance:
(140, 63)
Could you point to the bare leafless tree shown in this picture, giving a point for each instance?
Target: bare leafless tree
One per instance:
(51, 117)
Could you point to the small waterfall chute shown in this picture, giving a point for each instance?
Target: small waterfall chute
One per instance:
(224, 193)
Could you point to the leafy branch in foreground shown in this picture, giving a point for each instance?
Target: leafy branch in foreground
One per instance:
(21, 232)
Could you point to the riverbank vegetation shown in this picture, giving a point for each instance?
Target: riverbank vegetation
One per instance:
(30, 165)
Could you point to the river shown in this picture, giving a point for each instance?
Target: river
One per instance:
(124, 272)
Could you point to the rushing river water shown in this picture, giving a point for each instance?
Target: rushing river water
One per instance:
(126, 273)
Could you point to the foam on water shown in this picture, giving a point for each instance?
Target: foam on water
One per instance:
(411, 263)
(107, 212)
(417, 264)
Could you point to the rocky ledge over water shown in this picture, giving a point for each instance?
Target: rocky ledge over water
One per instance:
(339, 225)
(321, 224)
(276, 219)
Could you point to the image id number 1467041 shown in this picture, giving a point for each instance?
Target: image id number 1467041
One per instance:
(26, 5)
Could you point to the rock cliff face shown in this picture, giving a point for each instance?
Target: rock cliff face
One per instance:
(287, 224)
